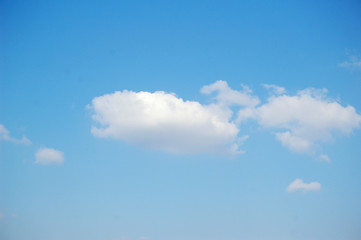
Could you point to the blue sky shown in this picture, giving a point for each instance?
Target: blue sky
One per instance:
(180, 120)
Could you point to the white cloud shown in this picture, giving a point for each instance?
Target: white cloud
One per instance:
(303, 120)
(5, 135)
(274, 89)
(228, 96)
(325, 158)
(299, 185)
(353, 63)
(166, 122)
(293, 142)
(46, 156)
(163, 121)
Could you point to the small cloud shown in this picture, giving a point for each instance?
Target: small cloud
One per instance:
(319, 94)
(46, 156)
(227, 96)
(274, 89)
(5, 136)
(353, 63)
(325, 158)
(299, 185)
(293, 142)
(2, 216)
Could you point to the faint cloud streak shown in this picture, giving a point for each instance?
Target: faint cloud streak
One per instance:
(5, 136)
(299, 185)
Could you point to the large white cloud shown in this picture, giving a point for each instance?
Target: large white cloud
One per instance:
(163, 121)
(166, 122)
(5, 135)
(47, 156)
(305, 119)
(299, 185)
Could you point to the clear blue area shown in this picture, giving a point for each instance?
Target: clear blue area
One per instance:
(56, 56)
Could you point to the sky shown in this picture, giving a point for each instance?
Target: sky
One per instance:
(180, 120)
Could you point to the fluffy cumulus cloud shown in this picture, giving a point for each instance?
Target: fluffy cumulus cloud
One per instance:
(299, 185)
(163, 121)
(5, 136)
(47, 156)
(303, 120)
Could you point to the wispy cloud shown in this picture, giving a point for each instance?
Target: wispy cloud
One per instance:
(299, 185)
(47, 156)
(227, 96)
(5, 136)
(274, 89)
(325, 158)
(353, 62)
(4, 215)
